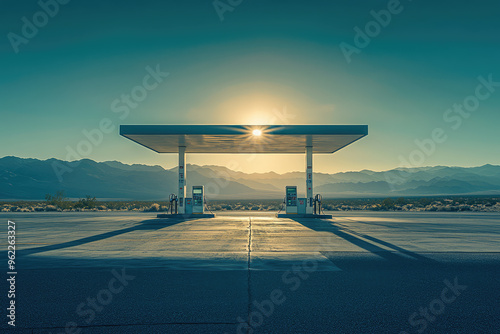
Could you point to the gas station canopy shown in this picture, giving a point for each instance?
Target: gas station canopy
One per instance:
(287, 139)
(290, 139)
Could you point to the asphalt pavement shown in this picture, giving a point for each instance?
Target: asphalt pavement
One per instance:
(249, 272)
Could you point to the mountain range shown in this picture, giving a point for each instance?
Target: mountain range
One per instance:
(32, 179)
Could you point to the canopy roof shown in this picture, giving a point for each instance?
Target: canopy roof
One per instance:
(242, 139)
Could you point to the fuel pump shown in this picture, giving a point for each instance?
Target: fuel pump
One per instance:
(298, 207)
(283, 204)
(173, 203)
(291, 199)
(198, 199)
(194, 207)
(317, 204)
(207, 206)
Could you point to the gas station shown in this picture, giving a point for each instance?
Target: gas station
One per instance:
(244, 139)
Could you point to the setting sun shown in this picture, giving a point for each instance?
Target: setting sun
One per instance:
(257, 132)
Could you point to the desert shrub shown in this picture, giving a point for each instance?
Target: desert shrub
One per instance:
(50, 208)
(86, 203)
(388, 203)
(401, 201)
(155, 207)
(58, 200)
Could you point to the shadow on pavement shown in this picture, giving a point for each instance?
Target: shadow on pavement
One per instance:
(150, 224)
(356, 239)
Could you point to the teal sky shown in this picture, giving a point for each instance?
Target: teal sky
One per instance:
(266, 59)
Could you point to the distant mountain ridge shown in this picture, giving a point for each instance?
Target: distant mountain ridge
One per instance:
(31, 179)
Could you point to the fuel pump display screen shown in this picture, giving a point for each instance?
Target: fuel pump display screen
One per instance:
(197, 197)
(291, 196)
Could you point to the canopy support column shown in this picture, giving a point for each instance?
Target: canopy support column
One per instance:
(309, 179)
(182, 179)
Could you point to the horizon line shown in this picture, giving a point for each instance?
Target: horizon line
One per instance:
(271, 171)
